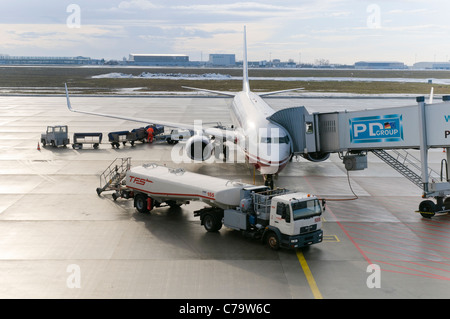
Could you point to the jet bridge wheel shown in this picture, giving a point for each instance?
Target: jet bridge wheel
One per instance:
(427, 208)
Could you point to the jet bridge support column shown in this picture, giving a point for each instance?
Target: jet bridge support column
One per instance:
(423, 142)
(446, 98)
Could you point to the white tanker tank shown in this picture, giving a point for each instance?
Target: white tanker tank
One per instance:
(163, 184)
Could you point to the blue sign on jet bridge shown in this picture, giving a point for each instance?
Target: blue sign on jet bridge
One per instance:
(376, 129)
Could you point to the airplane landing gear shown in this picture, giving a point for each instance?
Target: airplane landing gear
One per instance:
(268, 180)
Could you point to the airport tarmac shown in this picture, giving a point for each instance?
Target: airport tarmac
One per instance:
(58, 239)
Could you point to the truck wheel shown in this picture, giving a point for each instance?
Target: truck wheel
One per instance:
(140, 202)
(273, 241)
(212, 223)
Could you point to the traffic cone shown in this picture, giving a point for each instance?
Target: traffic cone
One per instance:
(38, 148)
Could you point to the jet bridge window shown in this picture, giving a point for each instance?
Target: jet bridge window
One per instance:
(309, 127)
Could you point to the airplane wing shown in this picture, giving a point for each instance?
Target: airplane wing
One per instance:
(210, 91)
(218, 132)
(276, 92)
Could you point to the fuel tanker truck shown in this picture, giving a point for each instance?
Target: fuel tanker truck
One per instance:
(278, 217)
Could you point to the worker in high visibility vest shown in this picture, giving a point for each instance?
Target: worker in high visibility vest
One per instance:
(150, 135)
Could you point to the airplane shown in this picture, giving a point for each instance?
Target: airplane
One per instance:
(265, 144)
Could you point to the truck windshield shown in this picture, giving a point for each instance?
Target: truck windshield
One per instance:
(306, 209)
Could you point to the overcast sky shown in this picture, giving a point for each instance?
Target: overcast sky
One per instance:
(303, 30)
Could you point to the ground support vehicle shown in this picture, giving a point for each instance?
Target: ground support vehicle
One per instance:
(115, 138)
(279, 217)
(112, 177)
(55, 136)
(86, 138)
(176, 135)
(142, 133)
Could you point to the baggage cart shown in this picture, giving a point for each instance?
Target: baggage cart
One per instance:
(115, 138)
(86, 138)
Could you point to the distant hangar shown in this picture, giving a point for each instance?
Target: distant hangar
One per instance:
(158, 59)
(380, 65)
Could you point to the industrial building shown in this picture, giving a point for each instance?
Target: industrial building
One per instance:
(37, 60)
(432, 65)
(158, 59)
(222, 59)
(380, 65)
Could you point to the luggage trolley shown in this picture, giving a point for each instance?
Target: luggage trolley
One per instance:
(137, 134)
(115, 138)
(86, 138)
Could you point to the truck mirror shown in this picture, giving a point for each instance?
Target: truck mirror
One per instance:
(324, 203)
(286, 215)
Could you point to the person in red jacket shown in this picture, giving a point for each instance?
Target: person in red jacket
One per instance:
(150, 135)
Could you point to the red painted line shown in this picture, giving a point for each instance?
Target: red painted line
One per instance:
(343, 229)
(405, 243)
(435, 223)
(413, 263)
(410, 256)
(351, 239)
(365, 253)
(439, 219)
(432, 276)
(412, 226)
(421, 226)
(396, 232)
(403, 249)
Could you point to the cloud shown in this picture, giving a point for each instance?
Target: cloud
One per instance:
(55, 39)
(280, 29)
(137, 4)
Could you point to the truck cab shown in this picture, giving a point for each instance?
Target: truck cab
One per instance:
(295, 221)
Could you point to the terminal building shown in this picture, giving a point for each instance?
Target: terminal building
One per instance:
(222, 59)
(37, 60)
(158, 59)
(365, 65)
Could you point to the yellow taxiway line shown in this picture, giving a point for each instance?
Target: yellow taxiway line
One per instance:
(309, 276)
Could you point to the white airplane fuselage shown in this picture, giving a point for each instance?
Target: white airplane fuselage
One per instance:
(265, 145)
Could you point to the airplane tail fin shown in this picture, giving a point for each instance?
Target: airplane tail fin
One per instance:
(431, 96)
(245, 83)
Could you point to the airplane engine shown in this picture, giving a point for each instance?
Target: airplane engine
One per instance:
(316, 157)
(199, 148)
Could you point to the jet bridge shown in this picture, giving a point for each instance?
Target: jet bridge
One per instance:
(354, 134)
